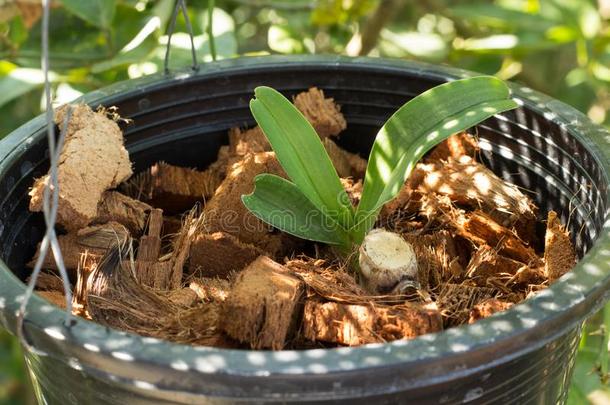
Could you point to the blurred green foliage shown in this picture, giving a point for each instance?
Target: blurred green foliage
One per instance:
(560, 47)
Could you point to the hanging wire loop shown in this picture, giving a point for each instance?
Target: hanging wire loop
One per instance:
(50, 200)
(180, 6)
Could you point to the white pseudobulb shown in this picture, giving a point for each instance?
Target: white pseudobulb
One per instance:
(386, 259)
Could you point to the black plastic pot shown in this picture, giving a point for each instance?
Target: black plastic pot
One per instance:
(524, 355)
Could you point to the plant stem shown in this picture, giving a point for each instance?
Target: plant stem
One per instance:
(210, 28)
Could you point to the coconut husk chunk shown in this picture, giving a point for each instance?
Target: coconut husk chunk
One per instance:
(461, 147)
(486, 263)
(481, 229)
(487, 308)
(147, 269)
(353, 189)
(211, 289)
(218, 254)
(95, 239)
(93, 160)
(117, 207)
(437, 258)
(225, 212)
(559, 254)
(56, 298)
(176, 189)
(48, 282)
(184, 297)
(242, 142)
(353, 325)
(456, 300)
(263, 305)
(323, 113)
(470, 184)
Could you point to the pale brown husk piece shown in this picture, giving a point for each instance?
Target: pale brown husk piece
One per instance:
(93, 160)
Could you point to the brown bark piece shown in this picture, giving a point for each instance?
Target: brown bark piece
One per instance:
(480, 229)
(353, 325)
(559, 254)
(487, 308)
(93, 160)
(225, 212)
(218, 254)
(95, 239)
(263, 305)
(473, 185)
(120, 208)
(323, 113)
(461, 147)
(211, 289)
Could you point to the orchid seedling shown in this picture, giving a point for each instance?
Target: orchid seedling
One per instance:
(313, 204)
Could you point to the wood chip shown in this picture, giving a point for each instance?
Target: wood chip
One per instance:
(263, 305)
(93, 160)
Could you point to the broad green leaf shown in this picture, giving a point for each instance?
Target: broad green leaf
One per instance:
(301, 154)
(280, 203)
(416, 127)
(495, 16)
(20, 81)
(97, 12)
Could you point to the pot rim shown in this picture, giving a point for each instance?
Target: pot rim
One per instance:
(524, 327)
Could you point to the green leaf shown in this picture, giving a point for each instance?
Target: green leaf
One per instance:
(301, 154)
(97, 12)
(415, 128)
(20, 81)
(280, 203)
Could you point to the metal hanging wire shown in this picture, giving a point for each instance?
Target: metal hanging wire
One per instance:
(50, 202)
(180, 5)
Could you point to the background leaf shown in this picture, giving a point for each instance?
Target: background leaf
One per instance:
(97, 12)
